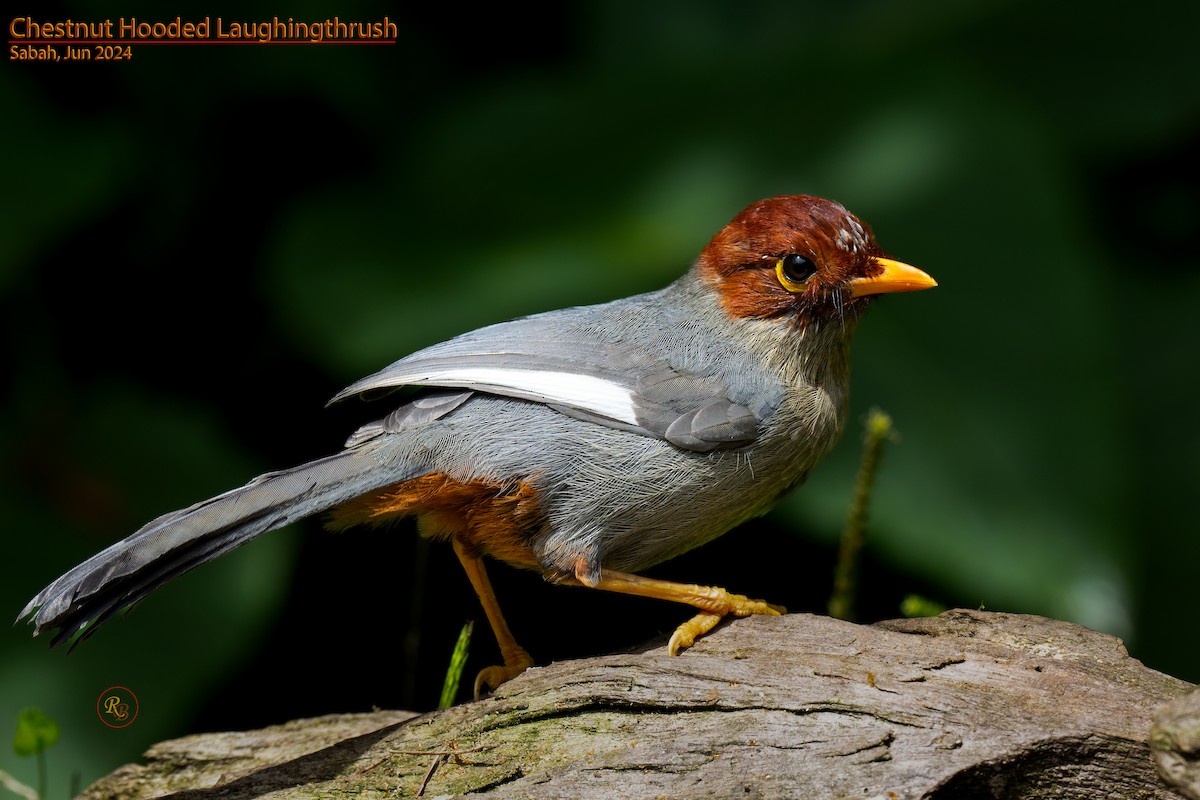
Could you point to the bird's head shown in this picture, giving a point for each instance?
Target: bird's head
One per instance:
(803, 259)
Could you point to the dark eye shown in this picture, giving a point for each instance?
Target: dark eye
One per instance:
(793, 270)
(798, 268)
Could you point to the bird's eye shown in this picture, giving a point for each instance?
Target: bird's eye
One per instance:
(793, 270)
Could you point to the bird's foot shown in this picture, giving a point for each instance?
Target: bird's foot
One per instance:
(714, 603)
(718, 604)
(490, 678)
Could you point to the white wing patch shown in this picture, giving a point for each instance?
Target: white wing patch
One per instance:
(587, 392)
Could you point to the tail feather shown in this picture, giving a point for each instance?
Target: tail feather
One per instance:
(180, 541)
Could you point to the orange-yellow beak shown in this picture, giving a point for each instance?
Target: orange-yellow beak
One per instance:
(896, 277)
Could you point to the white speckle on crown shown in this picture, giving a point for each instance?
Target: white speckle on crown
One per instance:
(853, 238)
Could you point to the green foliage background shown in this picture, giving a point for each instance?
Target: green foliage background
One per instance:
(200, 246)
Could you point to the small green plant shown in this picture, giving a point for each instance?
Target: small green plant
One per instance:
(458, 660)
(36, 731)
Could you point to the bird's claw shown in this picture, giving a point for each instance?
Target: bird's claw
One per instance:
(489, 678)
(736, 604)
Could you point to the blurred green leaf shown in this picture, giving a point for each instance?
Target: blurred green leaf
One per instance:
(914, 605)
(35, 732)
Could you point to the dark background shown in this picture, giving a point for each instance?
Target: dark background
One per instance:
(201, 246)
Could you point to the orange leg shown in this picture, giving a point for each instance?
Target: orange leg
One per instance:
(714, 603)
(516, 659)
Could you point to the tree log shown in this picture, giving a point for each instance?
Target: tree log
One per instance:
(967, 704)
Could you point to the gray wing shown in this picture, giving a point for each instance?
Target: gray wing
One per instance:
(569, 361)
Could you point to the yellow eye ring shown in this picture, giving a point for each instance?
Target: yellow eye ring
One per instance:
(793, 272)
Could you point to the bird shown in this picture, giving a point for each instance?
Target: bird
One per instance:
(587, 444)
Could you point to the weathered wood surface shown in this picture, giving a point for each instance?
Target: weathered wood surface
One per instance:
(968, 704)
(1175, 742)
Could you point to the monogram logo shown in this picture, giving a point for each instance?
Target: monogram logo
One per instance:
(117, 707)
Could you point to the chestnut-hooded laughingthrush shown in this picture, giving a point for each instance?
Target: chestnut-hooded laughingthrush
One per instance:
(587, 444)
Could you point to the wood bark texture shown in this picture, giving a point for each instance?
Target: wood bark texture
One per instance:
(967, 704)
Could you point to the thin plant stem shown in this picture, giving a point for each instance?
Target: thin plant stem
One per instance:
(845, 576)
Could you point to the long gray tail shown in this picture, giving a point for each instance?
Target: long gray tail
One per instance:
(182, 540)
